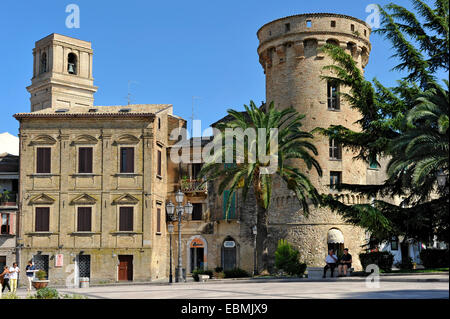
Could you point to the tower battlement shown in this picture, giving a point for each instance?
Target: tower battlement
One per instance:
(300, 36)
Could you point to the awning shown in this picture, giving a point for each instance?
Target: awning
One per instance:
(335, 236)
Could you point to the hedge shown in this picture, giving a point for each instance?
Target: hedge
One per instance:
(383, 259)
(434, 258)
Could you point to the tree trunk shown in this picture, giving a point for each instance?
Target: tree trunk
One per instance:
(262, 240)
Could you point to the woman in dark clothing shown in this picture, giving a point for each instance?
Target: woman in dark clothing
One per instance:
(4, 277)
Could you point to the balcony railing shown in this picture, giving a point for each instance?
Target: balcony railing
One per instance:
(193, 185)
(9, 200)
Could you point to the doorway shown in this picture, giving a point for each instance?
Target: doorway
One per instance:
(125, 267)
(41, 262)
(229, 254)
(84, 266)
(2, 263)
(197, 257)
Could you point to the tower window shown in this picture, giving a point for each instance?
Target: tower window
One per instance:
(43, 64)
(333, 24)
(308, 23)
(352, 27)
(72, 63)
(335, 179)
(365, 32)
(332, 96)
(287, 27)
(335, 150)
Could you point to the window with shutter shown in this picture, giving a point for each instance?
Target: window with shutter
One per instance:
(127, 160)
(85, 160)
(333, 96)
(42, 219)
(335, 150)
(158, 220)
(126, 219)
(159, 163)
(232, 211)
(84, 219)
(43, 160)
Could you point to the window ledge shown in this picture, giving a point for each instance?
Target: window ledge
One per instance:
(335, 159)
(41, 233)
(84, 175)
(84, 233)
(158, 233)
(43, 175)
(125, 233)
(159, 177)
(127, 174)
(334, 110)
(373, 169)
(7, 235)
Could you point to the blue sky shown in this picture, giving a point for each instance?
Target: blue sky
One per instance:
(171, 50)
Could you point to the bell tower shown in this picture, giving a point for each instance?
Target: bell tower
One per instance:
(62, 73)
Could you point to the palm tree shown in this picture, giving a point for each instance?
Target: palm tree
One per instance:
(422, 151)
(253, 175)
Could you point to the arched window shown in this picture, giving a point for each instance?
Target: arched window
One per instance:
(72, 63)
(43, 63)
(335, 240)
(333, 42)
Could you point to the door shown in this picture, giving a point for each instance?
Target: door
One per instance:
(84, 266)
(2, 263)
(229, 258)
(126, 267)
(197, 258)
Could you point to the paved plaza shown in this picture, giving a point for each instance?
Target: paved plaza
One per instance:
(403, 287)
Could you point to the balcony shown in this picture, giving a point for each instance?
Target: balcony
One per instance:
(8, 199)
(193, 186)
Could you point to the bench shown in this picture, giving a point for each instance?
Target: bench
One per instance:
(317, 272)
(203, 278)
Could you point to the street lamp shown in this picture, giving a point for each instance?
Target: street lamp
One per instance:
(255, 266)
(170, 228)
(180, 209)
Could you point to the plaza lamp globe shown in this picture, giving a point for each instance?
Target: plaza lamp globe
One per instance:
(179, 196)
(188, 208)
(169, 209)
(255, 230)
(170, 228)
(441, 179)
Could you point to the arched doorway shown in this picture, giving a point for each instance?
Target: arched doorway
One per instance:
(197, 251)
(229, 253)
(335, 240)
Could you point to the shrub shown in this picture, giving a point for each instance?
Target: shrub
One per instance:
(434, 258)
(74, 296)
(197, 272)
(406, 264)
(236, 273)
(218, 269)
(41, 274)
(383, 259)
(10, 295)
(287, 259)
(219, 275)
(47, 293)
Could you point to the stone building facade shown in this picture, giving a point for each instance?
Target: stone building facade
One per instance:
(93, 187)
(78, 188)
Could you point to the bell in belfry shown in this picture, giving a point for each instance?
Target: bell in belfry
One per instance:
(71, 68)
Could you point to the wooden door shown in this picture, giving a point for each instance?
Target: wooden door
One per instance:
(125, 267)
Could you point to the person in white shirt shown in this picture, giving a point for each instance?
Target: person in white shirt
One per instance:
(13, 275)
(331, 261)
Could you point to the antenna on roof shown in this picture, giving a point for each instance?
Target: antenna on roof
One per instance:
(192, 116)
(129, 93)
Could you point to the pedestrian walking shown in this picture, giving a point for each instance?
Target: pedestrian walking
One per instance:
(30, 270)
(4, 278)
(13, 276)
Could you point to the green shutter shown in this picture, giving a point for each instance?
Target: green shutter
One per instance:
(232, 213)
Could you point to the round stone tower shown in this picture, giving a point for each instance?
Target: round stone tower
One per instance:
(290, 53)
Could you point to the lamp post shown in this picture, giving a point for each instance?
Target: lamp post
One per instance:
(255, 266)
(442, 179)
(170, 229)
(186, 209)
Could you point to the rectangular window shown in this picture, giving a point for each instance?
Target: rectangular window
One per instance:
(42, 219)
(287, 27)
(6, 224)
(127, 160)
(373, 163)
(196, 169)
(158, 220)
(232, 211)
(159, 173)
(333, 24)
(43, 160)
(335, 150)
(394, 243)
(332, 96)
(197, 211)
(335, 179)
(84, 219)
(126, 219)
(85, 160)
(352, 27)
(308, 23)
